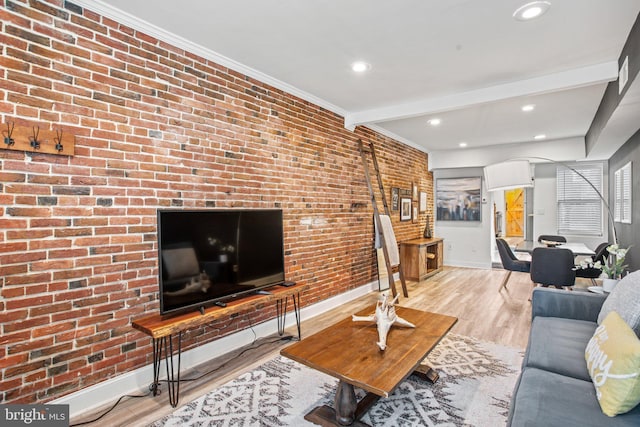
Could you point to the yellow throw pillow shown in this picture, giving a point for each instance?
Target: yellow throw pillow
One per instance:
(613, 359)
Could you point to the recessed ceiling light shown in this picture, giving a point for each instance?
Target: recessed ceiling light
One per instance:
(360, 66)
(531, 10)
(462, 144)
(434, 122)
(528, 107)
(541, 136)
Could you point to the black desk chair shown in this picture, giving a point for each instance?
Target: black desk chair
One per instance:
(553, 267)
(551, 238)
(510, 262)
(593, 273)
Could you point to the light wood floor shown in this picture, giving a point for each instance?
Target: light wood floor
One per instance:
(469, 294)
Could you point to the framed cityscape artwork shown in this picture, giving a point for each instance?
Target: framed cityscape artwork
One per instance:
(458, 199)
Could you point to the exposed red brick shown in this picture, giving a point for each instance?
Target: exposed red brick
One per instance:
(29, 302)
(27, 346)
(156, 127)
(48, 309)
(26, 324)
(12, 361)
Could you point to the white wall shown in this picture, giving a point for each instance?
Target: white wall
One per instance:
(466, 244)
(471, 244)
(544, 200)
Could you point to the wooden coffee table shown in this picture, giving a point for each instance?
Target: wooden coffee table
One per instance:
(348, 351)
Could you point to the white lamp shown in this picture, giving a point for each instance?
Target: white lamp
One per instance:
(507, 175)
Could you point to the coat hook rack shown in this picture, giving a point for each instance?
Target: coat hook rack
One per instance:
(35, 139)
(8, 140)
(58, 139)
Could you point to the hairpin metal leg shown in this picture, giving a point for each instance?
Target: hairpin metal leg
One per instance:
(157, 361)
(281, 313)
(296, 309)
(173, 375)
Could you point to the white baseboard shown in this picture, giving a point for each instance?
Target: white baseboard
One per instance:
(137, 382)
(468, 264)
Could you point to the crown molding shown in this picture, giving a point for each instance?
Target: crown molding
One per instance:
(386, 132)
(106, 10)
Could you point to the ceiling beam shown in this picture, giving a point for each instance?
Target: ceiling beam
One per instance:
(571, 79)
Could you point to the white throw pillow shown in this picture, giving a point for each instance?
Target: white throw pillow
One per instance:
(625, 299)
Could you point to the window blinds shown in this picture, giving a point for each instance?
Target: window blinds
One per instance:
(623, 194)
(579, 205)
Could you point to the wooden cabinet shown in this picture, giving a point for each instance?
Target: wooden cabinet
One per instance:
(421, 258)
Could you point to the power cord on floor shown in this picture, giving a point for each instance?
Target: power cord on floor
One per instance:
(250, 347)
(217, 368)
(112, 408)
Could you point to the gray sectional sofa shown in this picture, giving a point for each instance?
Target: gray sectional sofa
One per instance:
(554, 387)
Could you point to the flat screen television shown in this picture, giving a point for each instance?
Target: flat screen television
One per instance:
(208, 256)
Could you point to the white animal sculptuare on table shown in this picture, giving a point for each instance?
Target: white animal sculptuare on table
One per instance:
(385, 316)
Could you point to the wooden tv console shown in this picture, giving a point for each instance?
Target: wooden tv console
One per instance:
(163, 330)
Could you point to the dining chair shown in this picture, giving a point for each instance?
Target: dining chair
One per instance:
(510, 262)
(551, 238)
(593, 273)
(552, 267)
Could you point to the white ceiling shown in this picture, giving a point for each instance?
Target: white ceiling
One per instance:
(468, 62)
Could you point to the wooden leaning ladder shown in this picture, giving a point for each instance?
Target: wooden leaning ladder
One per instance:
(366, 149)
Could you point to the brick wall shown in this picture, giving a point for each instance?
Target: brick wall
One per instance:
(155, 127)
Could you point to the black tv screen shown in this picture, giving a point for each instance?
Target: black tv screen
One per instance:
(207, 256)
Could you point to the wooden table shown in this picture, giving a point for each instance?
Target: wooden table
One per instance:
(348, 351)
(576, 248)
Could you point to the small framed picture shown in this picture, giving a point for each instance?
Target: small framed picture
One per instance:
(395, 198)
(405, 209)
(414, 191)
(415, 214)
(423, 201)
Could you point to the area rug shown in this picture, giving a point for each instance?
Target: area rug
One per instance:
(475, 385)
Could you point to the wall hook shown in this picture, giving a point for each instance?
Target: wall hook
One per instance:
(7, 138)
(58, 139)
(34, 138)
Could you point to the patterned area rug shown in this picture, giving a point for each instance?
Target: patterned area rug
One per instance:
(476, 381)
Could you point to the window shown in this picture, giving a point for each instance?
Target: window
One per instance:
(579, 205)
(623, 194)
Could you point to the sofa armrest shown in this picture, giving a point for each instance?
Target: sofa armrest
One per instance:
(577, 305)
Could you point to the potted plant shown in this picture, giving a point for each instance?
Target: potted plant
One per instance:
(612, 268)
(614, 265)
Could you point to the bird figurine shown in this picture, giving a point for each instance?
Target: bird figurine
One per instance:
(385, 316)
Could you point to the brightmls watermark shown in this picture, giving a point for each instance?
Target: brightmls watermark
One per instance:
(34, 415)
